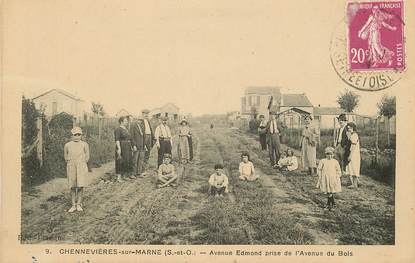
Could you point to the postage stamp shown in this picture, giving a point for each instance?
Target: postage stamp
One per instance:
(375, 36)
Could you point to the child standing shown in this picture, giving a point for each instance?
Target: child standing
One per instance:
(246, 169)
(329, 173)
(76, 153)
(166, 172)
(218, 182)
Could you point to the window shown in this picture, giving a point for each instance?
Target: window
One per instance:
(250, 101)
(258, 100)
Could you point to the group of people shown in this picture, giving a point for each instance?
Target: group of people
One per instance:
(329, 170)
(135, 140)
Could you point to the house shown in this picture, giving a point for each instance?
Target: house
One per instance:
(293, 108)
(168, 110)
(56, 101)
(326, 117)
(257, 99)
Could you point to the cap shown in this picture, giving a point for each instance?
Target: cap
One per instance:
(342, 117)
(76, 130)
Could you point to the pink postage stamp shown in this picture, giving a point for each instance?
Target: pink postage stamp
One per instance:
(375, 36)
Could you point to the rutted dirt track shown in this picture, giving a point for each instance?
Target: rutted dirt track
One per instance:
(135, 212)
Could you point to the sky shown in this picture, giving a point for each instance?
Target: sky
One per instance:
(199, 55)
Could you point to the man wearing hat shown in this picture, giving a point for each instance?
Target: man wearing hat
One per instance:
(342, 142)
(164, 140)
(142, 137)
(273, 138)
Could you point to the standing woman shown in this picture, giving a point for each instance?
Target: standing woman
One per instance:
(353, 167)
(309, 139)
(123, 150)
(183, 148)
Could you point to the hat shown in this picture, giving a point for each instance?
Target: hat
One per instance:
(76, 130)
(167, 155)
(329, 150)
(145, 111)
(184, 120)
(342, 117)
(164, 118)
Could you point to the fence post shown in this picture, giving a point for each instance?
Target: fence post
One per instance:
(39, 124)
(99, 128)
(377, 140)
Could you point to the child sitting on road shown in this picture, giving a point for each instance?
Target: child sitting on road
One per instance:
(76, 154)
(291, 162)
(246, 169)
(283, 161)
(166, 172)
(329, 173)
(218, 182)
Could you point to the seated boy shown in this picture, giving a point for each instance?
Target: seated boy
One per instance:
(283, 161)
(166, 172)
(218, 182)
(292, 163)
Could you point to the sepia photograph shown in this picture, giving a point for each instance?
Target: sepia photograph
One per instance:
(215, 123)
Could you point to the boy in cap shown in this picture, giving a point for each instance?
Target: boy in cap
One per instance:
(342, 142)
(76, 153)
(164, 140)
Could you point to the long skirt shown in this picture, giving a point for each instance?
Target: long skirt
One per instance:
(123, 163)
(183, 148)
(308, 155)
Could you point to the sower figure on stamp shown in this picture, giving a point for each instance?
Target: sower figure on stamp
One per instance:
(342, 142)
(164, 140)
(273, 139)
(142, 137)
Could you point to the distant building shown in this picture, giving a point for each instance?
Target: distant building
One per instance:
(256, 101)
(168, 110)
(233, 115)
(327, 116)
(55, 101)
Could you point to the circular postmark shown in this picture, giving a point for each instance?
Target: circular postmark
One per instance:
(368, 80)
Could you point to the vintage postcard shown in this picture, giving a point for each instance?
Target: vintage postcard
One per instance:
(207, 131)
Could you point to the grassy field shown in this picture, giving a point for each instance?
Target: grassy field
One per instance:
(276, 209)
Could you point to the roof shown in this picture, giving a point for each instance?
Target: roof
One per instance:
(60, 91)
(300, 111)
(262, 90)
(295, 100)
(327, 111)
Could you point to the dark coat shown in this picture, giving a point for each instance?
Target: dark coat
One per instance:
(137, 134)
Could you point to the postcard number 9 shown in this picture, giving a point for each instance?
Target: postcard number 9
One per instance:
(358, 54)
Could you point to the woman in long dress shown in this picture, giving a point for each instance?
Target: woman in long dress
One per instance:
(123, 149)
(378, 54)
(353, 167)
(183, 145)
(309, 138)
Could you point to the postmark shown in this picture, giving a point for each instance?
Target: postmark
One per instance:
(367, 48)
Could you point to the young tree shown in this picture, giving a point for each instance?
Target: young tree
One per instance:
(348, 101)
(98, 109)
(387, 108)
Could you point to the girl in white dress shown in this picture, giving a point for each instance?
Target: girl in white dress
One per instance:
(246, 169)
(329, 173)
(353, 168)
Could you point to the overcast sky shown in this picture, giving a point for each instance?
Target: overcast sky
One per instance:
(200, 55)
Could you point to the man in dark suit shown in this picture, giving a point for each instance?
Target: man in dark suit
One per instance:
(342, 142)
(142, 137)
(273, 139)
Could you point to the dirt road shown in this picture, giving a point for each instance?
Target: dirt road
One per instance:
(276, 209)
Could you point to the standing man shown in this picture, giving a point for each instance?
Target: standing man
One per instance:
(342, 142)
(273, 138)
(143, 139)
(262, 131)
(164, 140)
